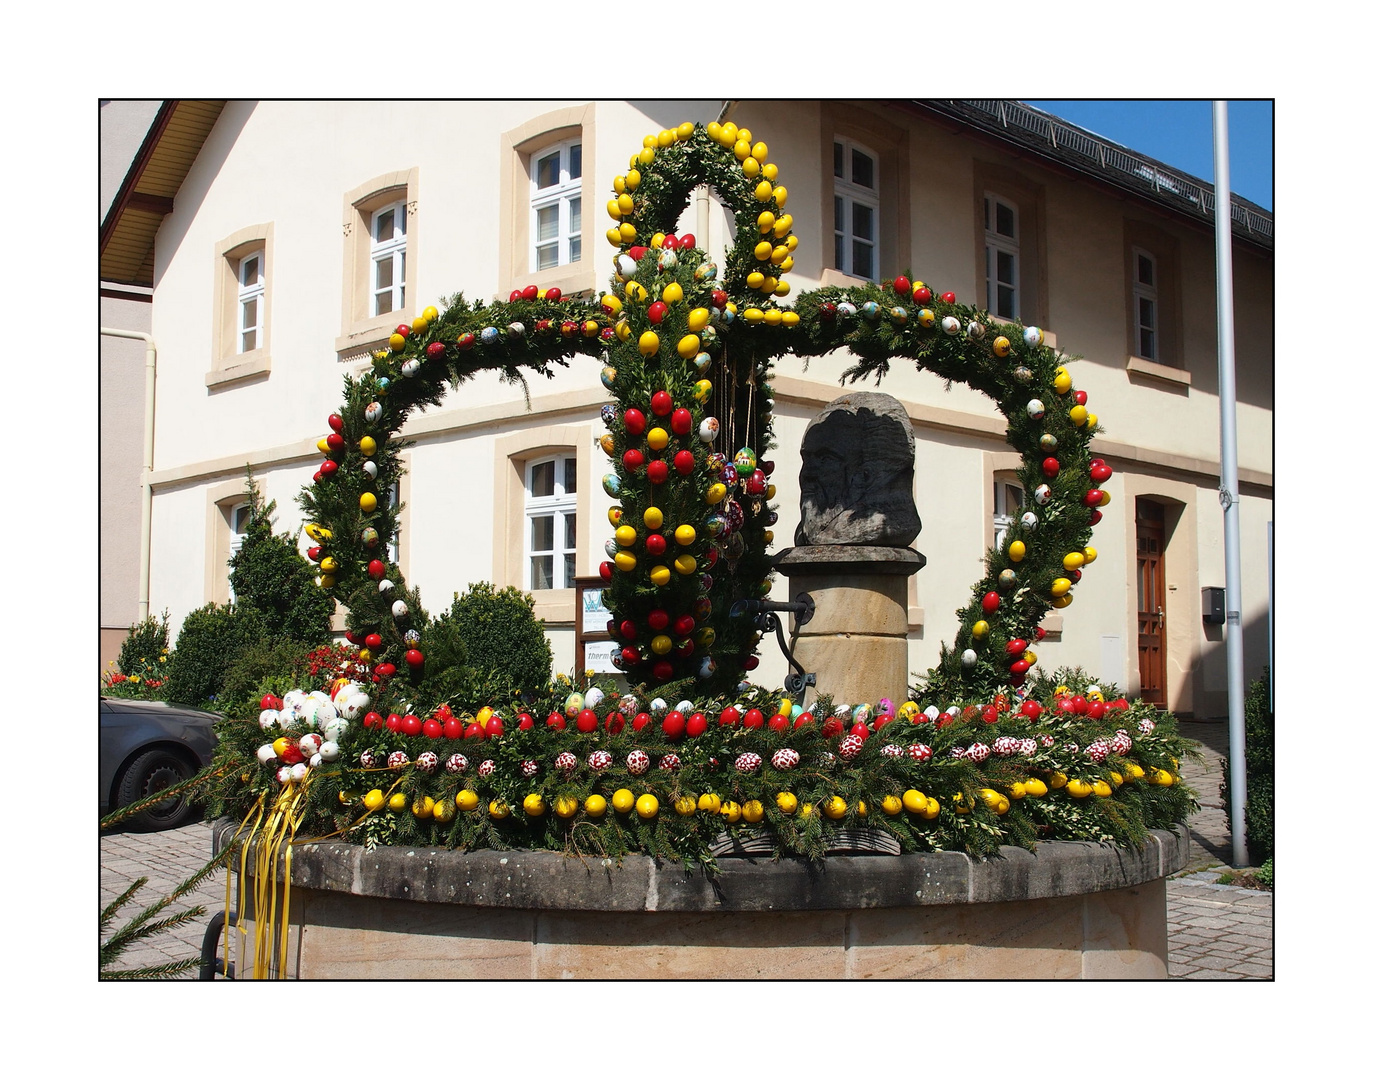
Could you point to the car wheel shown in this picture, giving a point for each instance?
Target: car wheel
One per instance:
(147, 774)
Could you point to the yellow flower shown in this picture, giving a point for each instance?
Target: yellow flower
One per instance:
(133, 678)
(162, 659)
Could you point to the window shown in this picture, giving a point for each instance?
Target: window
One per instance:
(243, 282)
(380, 255)
(393, 501)
(1001, 223)
(1009, 245)
(865, 225)
(1146, 304)
(238, 532)
(856, 208)
(388, 258)
(1151, 258)
(542, 163)
(1008, 499)
(251, 302)
(551, 513)
(556, 206)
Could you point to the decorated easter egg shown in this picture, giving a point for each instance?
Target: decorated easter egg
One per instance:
(745, 461)
(1028, 521)
(372, 412)
(611, 483)
(399, 610)
(1035, 409)
(490, 335)
(949, 325)
(709, 430)
(1034, 336)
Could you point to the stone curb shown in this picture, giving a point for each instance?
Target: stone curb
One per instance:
(548, 880)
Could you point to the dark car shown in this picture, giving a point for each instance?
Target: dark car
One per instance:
(146, 746)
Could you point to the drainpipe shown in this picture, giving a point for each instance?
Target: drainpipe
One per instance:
(145, 537)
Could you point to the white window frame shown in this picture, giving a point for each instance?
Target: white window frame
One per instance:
(560, 505)
(1145, 292)
(560, 195)
(249, 293)
(1005, 510)
(998, 243)
(392, 248)
(237, 536)
(393, 545)
(846, 195)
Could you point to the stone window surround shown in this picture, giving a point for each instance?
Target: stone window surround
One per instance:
(360, 330)
(990, 178)
(891, 144)
(220, 500)
(1166, 251)
(512, 452)
(519, 147)
(227, 364)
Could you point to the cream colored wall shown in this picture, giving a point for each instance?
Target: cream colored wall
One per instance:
(1153, 433)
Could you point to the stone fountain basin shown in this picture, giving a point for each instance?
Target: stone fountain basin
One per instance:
(1068, 910)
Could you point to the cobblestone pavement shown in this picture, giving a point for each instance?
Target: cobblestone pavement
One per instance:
(166, 859)
(1214, 931)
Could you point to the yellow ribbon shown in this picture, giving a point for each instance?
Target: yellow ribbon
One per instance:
(237, 923)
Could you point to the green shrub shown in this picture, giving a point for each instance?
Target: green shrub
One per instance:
(268, 573)
(1265, 873)
(211, 639)
(1258, 771)
(147, 641)
(271, 665)
(501, 637)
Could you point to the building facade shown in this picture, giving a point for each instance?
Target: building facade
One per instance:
(303, 232)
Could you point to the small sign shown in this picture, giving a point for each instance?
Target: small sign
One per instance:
(598, 655)
(594, 613)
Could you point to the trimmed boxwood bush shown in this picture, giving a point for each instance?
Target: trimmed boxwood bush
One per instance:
(211, 639)
(147, 641)
(502, 638)
(1258, 771)
(269, 573)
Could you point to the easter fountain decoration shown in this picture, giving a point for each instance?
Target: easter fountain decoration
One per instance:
(988, 754)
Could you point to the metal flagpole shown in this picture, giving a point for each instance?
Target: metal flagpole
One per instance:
(1229, 484)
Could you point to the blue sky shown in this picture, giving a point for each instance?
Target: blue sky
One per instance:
(1178, 133)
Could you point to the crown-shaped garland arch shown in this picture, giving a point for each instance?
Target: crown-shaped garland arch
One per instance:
(688, 347)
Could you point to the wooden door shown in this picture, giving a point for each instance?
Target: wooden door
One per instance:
(1151, 590)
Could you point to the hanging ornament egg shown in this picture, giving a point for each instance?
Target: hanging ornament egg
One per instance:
(1034, 336)
(872, 311)
(1002, 346)
(1047, 442)
(845, 308)
(701, 391)
(981, 629)
(705, 272)
(490, 335)
(1023, 375)
(702, 362)
(709, 430)
(383, 384)
(372, 412)
(607, 443)
(757, 484)
(950, 325)
(399, 610)
(608, 377)
(976, 330)
(370, 468)
(925, 317)
(969, 657)
(1042, 495)
(1006, 580)
(611, 548)
(367, 502)
(611, 483)
(1016, 550)
(730, 474)
(745, 461)
(1050, 466)
(608, 414)
(1028, 521)
(410, 368)
(899, 315)
(1035, 409)
(716, 462)
(385, 585)
(667, 260)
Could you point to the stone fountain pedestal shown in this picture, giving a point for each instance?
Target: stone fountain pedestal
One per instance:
(856, 641)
